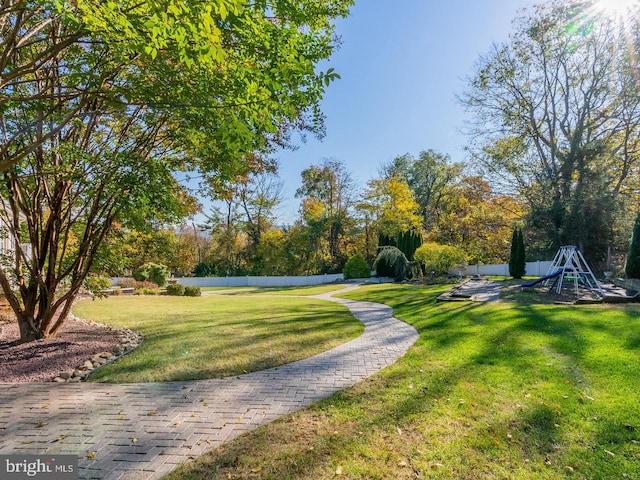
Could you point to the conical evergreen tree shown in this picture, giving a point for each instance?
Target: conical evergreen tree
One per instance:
(517, 261)
(522, 256)
(633, 257)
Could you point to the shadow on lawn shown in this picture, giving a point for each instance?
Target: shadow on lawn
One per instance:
(487, 387)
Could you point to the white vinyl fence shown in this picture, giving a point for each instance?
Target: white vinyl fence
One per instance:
(535, 269)
(248, 281)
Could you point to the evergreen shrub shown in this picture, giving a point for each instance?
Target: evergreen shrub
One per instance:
(633, 257)
(175, 289)
(192, 291)
(356, 267)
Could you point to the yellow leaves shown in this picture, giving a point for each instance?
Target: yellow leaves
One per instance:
(41, 424)
(91, 455)
(392, 203)
(256, 469)
(152, 413)
(312, 209)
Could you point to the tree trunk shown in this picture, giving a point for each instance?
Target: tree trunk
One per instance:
(27, 333)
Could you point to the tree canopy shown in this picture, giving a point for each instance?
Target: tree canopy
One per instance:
(558, 120)
(103, 101)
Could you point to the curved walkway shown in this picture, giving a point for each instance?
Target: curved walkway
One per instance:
(143, 431)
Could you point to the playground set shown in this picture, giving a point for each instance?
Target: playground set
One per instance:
(570, 271)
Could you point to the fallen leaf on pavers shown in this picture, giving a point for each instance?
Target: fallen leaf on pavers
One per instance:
(152, 413)
(339, 470)
(208, 440)
(26, 442)
(199, 442)
(91, 455)
(239, 420)
(46, 405)
(121, 417)
(177, 423)
(256, 469)
(134, 440)
(59, 438)
(205, 404)
(41, 424)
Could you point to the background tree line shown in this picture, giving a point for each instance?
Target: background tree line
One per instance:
(102, 104)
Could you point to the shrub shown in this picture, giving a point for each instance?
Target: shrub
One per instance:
(154, 272)
(439, 258)
(127, 283)
(192, 291)
(356, 267)
(632, 268)
(175, 289)
(96, 284)
(391, 262)
(146, 291)
(135, 284)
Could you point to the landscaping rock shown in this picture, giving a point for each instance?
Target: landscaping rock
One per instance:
(129, 340)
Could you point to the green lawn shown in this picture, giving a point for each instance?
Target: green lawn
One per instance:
(189, 338)
(504, 390)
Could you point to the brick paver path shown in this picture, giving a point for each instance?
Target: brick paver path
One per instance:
(143, 431)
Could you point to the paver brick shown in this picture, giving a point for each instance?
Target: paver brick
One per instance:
(104, 419)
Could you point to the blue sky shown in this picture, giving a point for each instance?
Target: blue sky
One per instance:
(401, 65)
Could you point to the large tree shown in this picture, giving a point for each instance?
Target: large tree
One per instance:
(102, 101)
(327, 194)
(389, 206)
(558, 118)
(249, 202)
(429, 176)
(477, 220)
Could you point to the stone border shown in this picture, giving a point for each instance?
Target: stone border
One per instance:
(129, 341)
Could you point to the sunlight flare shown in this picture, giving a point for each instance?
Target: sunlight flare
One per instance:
(617, 7)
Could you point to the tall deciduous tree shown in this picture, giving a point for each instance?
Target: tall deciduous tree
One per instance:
(430, 176)
(327, 194)
(558, 118)
(390, 205)
(477, 220)
(102, 101)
